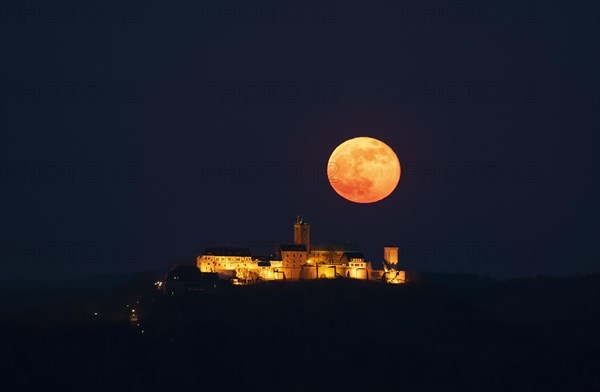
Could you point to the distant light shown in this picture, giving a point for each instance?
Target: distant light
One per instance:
(132, 310)
(95, 313)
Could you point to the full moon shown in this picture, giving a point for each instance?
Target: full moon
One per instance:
(363, 170)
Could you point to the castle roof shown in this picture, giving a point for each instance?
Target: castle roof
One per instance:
(293, 248)
(340, 246)
(226, 251)
(353, 255)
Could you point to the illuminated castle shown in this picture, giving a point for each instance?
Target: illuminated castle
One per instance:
(300, 260)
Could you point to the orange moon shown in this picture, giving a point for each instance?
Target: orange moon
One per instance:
(363, 170)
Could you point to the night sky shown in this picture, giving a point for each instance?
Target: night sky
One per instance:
(135, 134)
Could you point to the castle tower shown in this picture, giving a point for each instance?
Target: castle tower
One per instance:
(390, 255)
(302, 233)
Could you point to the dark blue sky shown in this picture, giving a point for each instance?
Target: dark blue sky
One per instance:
(135, 134)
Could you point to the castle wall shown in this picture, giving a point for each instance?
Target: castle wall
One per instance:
(209, 263)
(396, 277)
(291, 273)
(308, 272)
(293, 259)
(325, 256)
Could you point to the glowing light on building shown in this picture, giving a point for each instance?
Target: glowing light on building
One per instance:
(301, 260)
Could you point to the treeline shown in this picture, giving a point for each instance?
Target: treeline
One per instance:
(445, 332)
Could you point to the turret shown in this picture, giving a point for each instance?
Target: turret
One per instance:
(390, 255)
